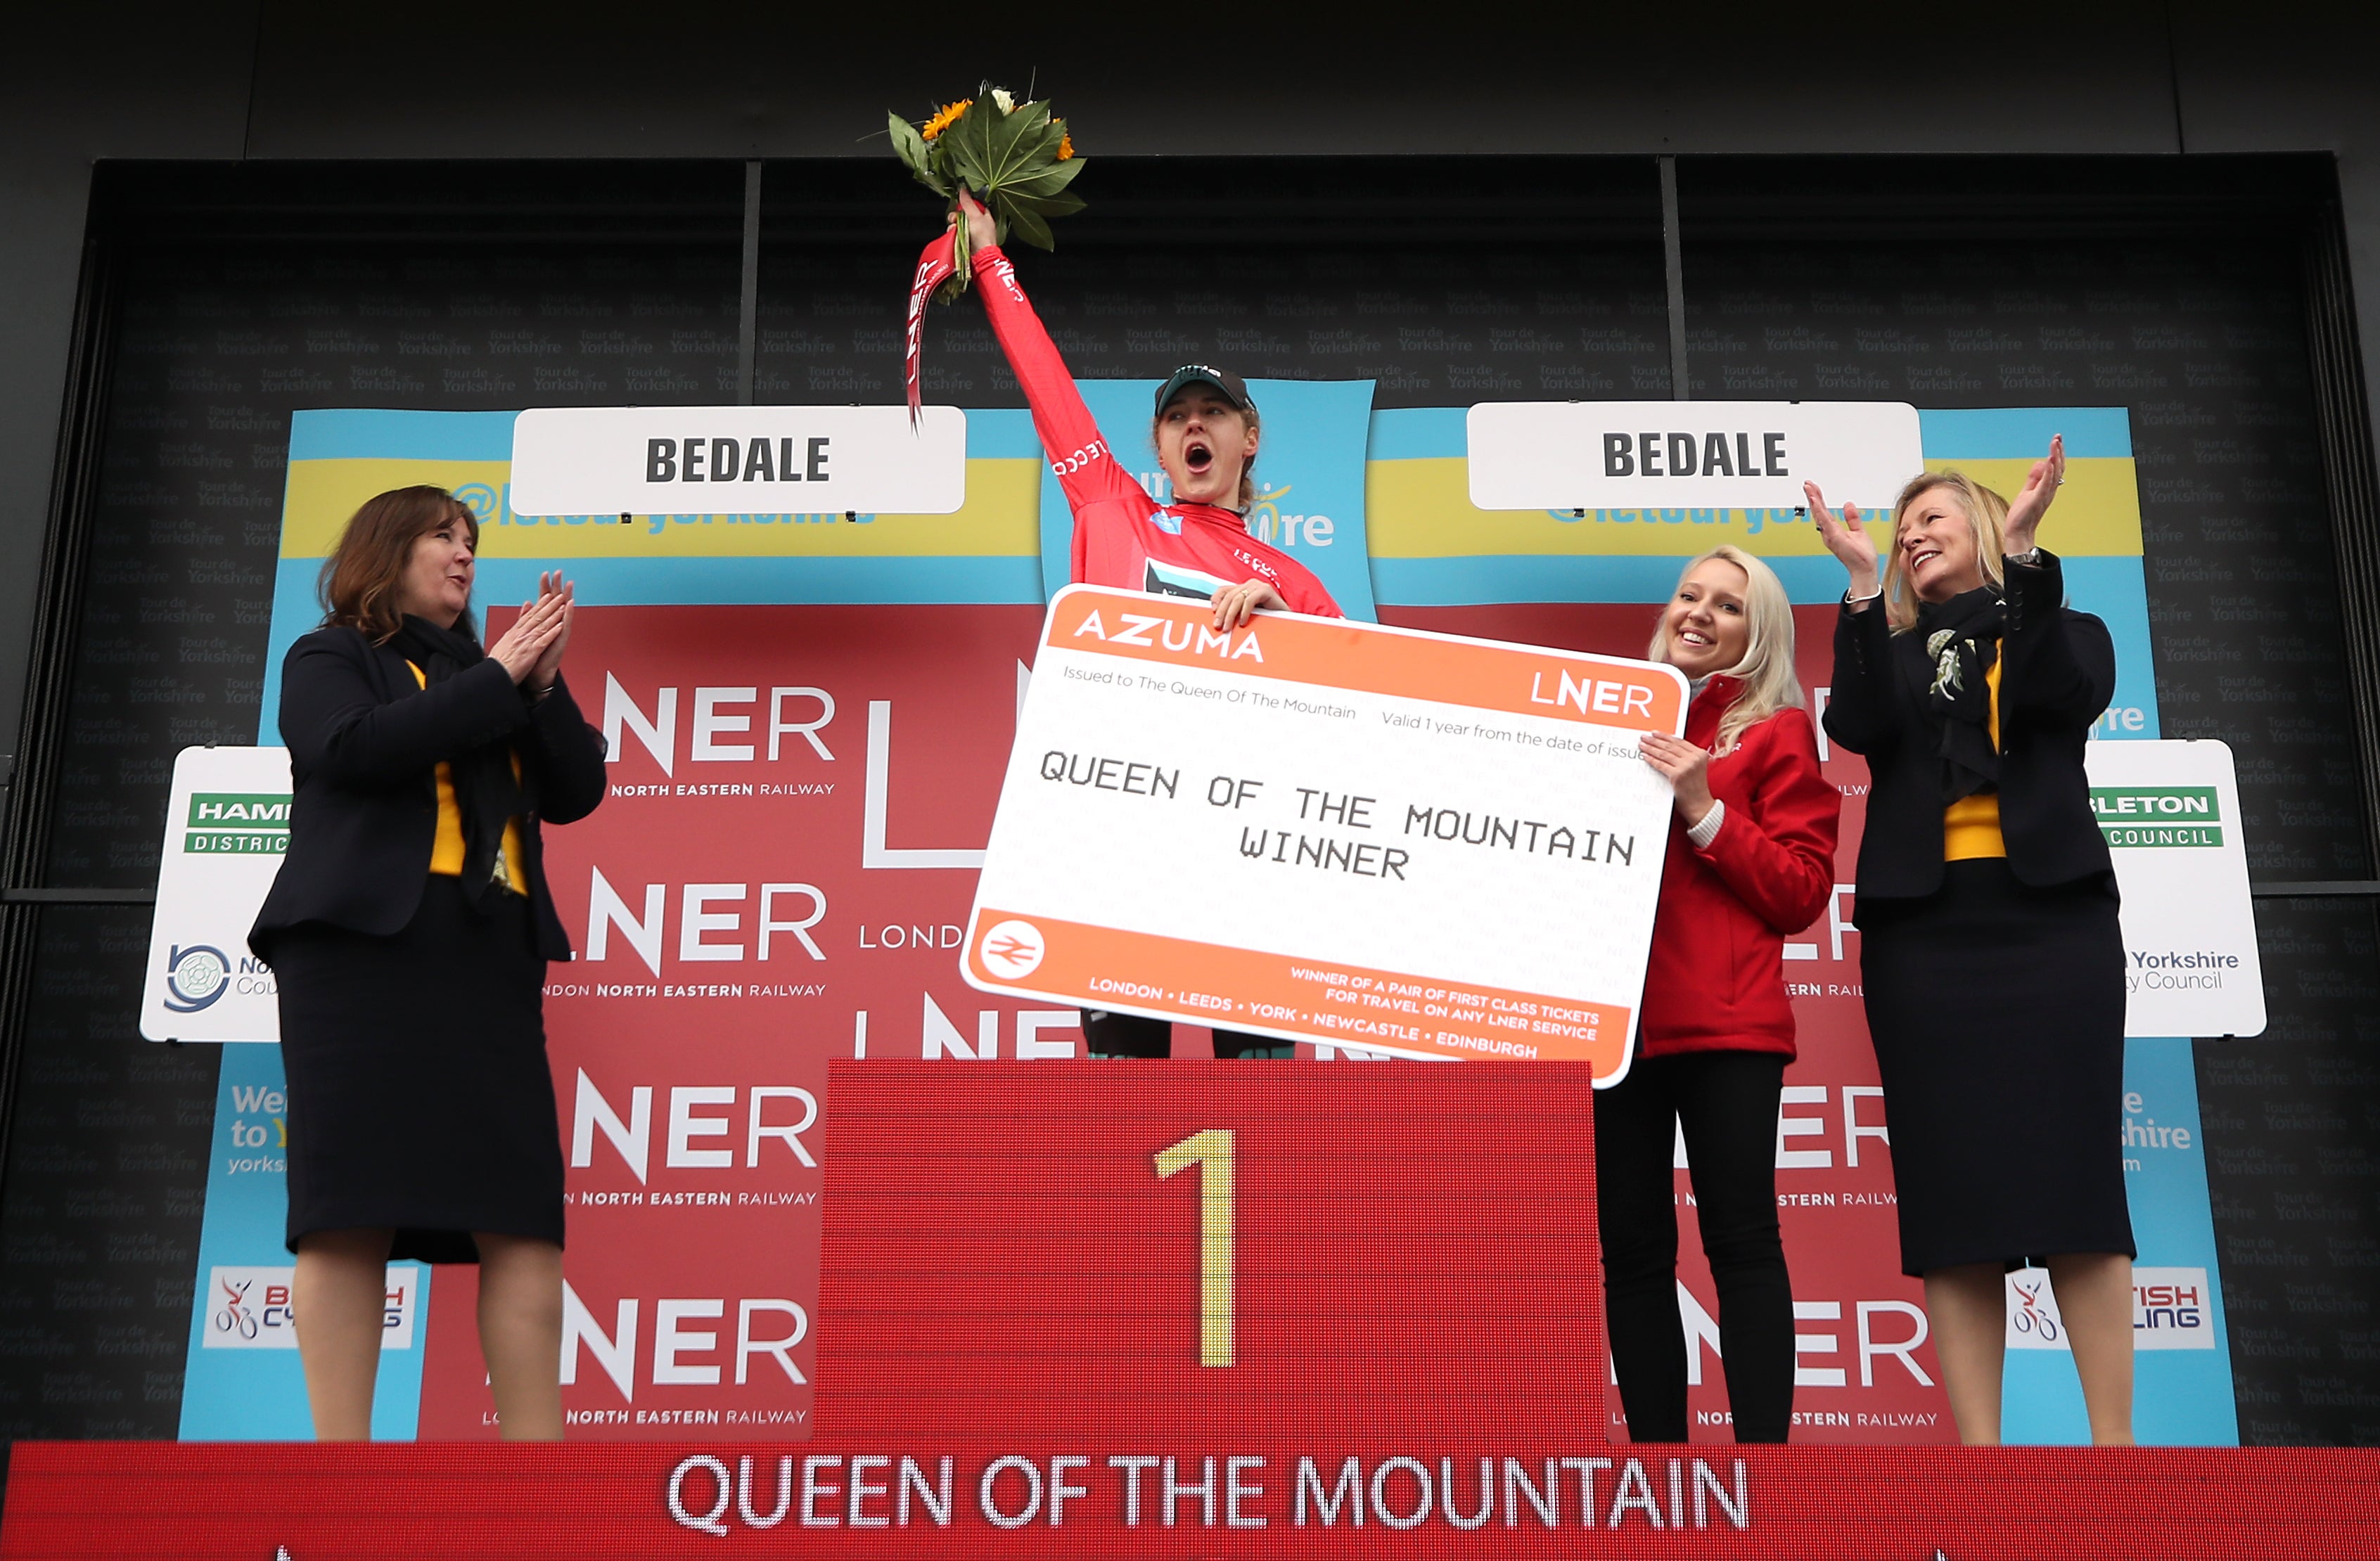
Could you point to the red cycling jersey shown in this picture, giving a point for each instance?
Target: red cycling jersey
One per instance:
(1123, 537)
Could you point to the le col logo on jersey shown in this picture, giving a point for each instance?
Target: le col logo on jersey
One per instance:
(250, 1307)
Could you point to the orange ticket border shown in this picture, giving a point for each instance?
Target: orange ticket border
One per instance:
(1161, 977)
(1480, 674)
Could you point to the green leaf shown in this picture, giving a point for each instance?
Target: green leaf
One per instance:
(918, 154)
(1028, 226)
(1013, 145)
(907, 144)
(1064, 204)
(1049, 180)
(964, 145)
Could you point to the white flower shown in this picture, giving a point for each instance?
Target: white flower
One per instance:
(1007, 104)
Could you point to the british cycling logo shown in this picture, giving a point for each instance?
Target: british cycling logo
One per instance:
(196, 976)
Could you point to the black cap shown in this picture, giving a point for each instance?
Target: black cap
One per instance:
(1234, 389)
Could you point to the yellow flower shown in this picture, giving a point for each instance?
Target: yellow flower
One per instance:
(1065, 145)
(948, 116)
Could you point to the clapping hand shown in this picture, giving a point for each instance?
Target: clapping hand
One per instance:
(2034, 500)
(1847, 539)
(531, 649)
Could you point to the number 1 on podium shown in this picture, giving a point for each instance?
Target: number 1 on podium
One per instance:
(1212, 1151)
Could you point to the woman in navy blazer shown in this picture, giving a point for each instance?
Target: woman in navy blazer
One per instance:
(408, 932)
(1991, 961)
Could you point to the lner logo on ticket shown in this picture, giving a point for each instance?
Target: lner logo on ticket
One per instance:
(1323, 830)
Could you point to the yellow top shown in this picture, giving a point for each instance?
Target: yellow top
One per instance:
(1971, 827)
(446, 849)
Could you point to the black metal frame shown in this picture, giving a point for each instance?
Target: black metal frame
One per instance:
(57, 616)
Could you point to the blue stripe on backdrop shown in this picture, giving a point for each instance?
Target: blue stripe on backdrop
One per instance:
(2005, 433)
(366, 434)
(1420, 433)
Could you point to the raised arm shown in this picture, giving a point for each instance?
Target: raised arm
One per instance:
(2061, 665)
(1087, 469)
(1858, 715)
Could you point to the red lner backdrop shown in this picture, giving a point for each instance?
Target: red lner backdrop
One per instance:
(781, 878)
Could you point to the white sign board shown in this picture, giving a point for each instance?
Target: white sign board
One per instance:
(226, 827)
(1329, 831)
(1689, 454)
(2172, 814)
(738, 460)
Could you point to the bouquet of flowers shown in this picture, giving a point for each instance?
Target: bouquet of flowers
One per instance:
(1015, 157)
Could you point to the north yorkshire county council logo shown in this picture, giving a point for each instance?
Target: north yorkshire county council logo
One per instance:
(195, 976)
(1013, 949)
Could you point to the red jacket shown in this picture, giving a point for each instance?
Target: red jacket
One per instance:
(1716, 981)
(1122, 535)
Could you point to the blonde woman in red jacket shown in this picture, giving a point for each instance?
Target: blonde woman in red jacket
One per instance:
(1751, 859)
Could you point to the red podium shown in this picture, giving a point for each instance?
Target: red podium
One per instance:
(1195, 1311)
(1272, 1249)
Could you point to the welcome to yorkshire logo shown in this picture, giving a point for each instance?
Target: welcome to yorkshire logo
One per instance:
(2158, 816)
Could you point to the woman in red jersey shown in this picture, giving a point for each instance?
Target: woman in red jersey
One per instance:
(1206, 431)
(1751, 861)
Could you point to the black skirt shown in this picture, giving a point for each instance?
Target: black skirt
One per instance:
(420, 1097)
(1997, 1014)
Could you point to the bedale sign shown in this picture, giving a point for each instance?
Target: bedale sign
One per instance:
(1698, 455)
(737, 460)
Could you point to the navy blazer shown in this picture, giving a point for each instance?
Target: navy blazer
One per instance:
(2058, 671)
(365, 740)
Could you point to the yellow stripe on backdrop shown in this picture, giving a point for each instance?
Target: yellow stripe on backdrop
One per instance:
(999, 519)
(1422, 509)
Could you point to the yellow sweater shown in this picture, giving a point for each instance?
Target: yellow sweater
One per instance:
(1971, 827)
(446, 849)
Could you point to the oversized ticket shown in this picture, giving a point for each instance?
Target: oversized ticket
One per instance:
(1329, 831)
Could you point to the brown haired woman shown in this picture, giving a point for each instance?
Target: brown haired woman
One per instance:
(1991, 962)
(408, 931)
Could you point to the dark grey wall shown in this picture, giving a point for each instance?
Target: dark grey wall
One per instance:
(444, 78)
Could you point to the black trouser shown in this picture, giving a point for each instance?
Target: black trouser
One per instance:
(1129, 1034)
(1727, 1103)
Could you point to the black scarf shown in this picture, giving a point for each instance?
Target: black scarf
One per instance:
(487, 792)
(1955, 644)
